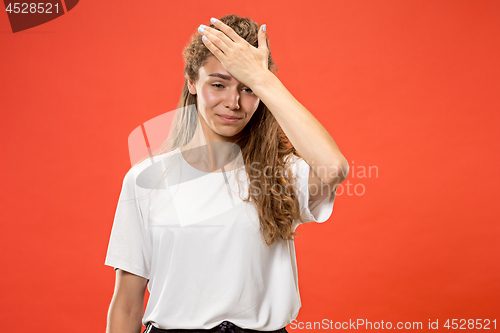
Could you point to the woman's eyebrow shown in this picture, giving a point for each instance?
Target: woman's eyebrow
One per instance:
(222, 76)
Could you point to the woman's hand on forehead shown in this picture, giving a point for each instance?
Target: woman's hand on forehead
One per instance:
(246, 63)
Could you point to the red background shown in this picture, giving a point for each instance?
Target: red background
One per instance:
(407, 87)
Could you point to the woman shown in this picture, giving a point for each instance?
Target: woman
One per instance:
(212, 260)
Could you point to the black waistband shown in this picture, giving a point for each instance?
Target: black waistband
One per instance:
(225, 326)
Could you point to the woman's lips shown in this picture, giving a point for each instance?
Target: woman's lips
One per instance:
(228, 119)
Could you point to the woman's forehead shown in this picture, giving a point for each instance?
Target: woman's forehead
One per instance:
(213, 66)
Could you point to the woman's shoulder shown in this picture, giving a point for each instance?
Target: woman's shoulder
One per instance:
(293, 163)
(292, 160)
(150, 160)
(150, 168)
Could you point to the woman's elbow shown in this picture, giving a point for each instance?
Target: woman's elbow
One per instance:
(341, 171)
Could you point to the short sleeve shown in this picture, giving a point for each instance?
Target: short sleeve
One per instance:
(129, 247)
(312, 211)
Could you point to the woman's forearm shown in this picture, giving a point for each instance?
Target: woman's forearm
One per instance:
(123, 319)
(305, 132)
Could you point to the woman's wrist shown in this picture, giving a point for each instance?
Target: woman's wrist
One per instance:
(264, 82)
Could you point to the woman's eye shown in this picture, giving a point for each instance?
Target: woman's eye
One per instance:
(218, 85)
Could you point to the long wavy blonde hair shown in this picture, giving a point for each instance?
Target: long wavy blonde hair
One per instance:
(261, 141)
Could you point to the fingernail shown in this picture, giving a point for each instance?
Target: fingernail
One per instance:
(201, 28)
(264, 27)
(213, 20)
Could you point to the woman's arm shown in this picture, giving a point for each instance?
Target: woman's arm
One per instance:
(312, 141)
(127, 306)
(249, 65)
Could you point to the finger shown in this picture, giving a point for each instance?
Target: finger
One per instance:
(262, 38)
(227, 30)
(218, 38)
(212, 48)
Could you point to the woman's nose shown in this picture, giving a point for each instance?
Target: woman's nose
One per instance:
(232, 99)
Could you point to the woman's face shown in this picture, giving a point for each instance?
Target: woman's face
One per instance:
(225, 104)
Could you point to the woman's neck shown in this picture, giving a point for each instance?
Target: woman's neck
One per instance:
(209, 154)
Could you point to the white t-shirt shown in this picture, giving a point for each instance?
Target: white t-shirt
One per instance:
(201, 248)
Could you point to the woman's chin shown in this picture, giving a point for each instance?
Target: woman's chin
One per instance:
(228, 134)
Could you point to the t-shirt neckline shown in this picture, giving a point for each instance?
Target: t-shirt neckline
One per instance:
(183, 160)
